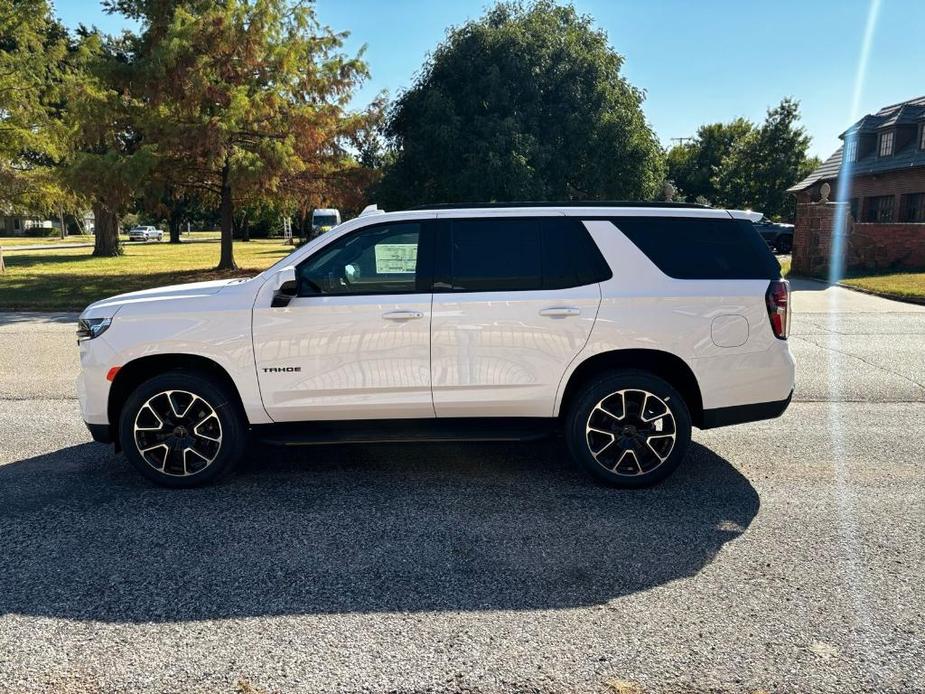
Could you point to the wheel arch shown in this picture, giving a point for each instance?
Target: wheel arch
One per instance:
(139, 370)
(662, 364)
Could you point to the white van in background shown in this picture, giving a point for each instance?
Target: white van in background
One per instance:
(324, 219)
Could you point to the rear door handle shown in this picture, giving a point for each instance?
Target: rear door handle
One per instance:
(402, 315)
(561, 311)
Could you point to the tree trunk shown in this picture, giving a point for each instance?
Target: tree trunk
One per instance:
(106, 223)
(61, 222)
(226, 213)
(174, 227)
(245, 229)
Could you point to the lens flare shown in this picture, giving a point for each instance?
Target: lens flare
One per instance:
(845, 172)
(837, 364)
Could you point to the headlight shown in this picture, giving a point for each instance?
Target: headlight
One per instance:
(88, 328)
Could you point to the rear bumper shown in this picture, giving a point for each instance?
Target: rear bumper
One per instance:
(101, 433)
(739, 414)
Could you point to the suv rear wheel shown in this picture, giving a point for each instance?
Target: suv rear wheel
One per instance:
(628, 428)
(181, 429)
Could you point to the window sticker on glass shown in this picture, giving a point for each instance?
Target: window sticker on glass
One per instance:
(396, 258)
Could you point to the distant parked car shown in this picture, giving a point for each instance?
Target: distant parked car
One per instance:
(779, 237)
(145, 233)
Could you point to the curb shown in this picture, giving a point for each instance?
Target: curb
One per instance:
(883, 295)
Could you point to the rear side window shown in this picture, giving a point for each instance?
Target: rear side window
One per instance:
(522, 255)
(570, 256)
(702, 249)
(495, 255)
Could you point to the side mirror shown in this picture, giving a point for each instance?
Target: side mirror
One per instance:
(285, 287)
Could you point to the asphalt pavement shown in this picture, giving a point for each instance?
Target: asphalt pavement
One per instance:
(783, 556)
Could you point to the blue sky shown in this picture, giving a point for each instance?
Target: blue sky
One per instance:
(698, 62)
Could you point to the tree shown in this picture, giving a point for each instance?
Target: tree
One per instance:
(33, 59)
(243, 99)
(527, 103)
(762, 165)
(108, 160)
(692, 165)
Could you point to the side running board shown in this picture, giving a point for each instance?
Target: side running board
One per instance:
(406, 431)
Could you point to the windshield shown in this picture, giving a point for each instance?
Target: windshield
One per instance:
(324, 220)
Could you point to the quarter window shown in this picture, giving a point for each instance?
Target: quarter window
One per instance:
(886, 143)
(386, 259)
(701, 248)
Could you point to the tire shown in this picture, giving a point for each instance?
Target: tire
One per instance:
(635, 452)
(784, 245)
(182, 429)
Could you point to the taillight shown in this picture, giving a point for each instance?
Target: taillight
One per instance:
(777, 299)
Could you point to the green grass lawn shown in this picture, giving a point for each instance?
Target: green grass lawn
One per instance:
(898, 284)
(7, 242)
(67, 279)
(10, 242)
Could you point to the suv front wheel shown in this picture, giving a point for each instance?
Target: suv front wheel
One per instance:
(181, 429)
(628, 428)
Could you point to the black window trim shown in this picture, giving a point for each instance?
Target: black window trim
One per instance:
(443, 247)
(423, 279)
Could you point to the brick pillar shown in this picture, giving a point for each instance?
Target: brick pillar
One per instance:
(812, 236)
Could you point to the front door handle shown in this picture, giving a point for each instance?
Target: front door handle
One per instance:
(402, 315)
(561, 311)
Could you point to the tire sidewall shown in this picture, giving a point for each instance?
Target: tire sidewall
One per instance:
(606, 385)
(227, 410)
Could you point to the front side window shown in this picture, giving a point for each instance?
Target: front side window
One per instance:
(379, 260)
(886, 144)
(922, 137)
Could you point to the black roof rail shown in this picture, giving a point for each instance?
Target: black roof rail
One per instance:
(565, 203)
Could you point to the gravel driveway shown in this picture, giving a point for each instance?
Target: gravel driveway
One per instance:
(783, 556)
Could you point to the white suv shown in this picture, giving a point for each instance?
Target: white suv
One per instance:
(620, 326)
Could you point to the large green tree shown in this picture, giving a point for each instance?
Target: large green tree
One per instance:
(526, 103)
(692, 165)
(33, 61)
(761, 166)
(109, 161)
(242, 100)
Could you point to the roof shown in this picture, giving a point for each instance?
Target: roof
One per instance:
(911, 112)
(904, 113)
(567, 203)
(825, 171)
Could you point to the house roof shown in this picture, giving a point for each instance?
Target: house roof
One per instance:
(911, 112)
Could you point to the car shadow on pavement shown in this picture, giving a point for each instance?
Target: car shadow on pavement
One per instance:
(353, 529)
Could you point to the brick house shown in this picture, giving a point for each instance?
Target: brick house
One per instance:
(884, 154)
